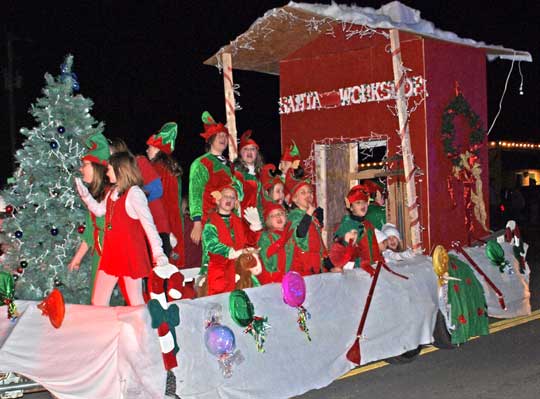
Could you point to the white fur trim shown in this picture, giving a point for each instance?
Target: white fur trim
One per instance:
(165, 271)
(174, 293)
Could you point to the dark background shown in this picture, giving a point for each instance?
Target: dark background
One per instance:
(141, 64)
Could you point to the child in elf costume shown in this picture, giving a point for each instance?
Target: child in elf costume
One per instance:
(272, 187)
(128, 228)
(224, 238)
(93, 170)
(160, 147)
(247, 168)
(307, 223)
(376, 212)
(345, 250)
(276, 244)
(289, 159)
(208, 173)
(364, 250)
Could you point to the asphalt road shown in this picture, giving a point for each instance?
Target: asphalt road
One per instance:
(498, 366)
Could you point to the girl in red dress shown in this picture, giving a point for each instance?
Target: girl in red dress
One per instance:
(128, 225)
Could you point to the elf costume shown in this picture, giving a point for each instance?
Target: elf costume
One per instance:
(276, 249)
(376, 213)
(291, 154)
(172, 190)
(367, 247)
(342, 252)
(98, 153)
(309, 250)
(208, 173)
(269, 177)
(223, 238)
(248, 176)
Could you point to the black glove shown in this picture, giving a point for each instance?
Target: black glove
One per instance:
(319, 214)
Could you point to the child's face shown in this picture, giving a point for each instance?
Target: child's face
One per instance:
(110, 174)
(278, 193)
(87, 171)
(393, 243)
(151, 152)
(303, 197)
(227, 202)
(248, 154)
(284, 166)
(359, 208)
(351, 236)
(276, 219)
(220, 142)
(383, 245)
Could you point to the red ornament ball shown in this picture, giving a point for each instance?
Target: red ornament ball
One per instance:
(20, 270)
(80, 229)
(9, 208)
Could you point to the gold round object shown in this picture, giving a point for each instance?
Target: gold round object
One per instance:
(440, 262)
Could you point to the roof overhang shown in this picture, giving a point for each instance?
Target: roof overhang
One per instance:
(284, 30)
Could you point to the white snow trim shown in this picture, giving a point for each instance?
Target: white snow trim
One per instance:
(395, 15)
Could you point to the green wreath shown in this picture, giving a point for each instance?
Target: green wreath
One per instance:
(460, 106)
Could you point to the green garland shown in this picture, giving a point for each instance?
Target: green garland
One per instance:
(460, 106)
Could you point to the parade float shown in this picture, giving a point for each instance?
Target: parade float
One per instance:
(353, 81)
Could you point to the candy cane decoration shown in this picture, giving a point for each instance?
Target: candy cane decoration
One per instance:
(226, 62)
(165, 285)
(408, 162)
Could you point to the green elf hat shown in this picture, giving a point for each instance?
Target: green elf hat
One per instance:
(98, 150)
(165, 138)
(291, 153)
(211, 128)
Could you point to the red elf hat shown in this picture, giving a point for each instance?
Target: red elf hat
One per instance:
(293, 184)
(211, 128)
(246, 139)
(358, 193)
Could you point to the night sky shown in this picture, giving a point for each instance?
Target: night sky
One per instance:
(142, 64)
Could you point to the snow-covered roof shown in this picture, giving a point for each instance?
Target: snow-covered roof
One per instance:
(281, 31)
